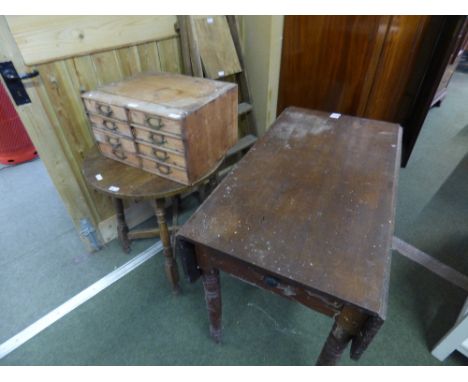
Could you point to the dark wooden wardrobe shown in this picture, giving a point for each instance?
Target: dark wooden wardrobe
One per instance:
(381, 67)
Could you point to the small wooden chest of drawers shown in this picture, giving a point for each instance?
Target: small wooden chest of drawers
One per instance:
(172, 125)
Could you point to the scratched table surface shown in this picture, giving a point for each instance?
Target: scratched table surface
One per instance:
(313, 201)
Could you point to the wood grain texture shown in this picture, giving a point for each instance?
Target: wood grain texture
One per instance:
(50, 38)
(217, 50)
(149, 57)
(129, 61)
(86, 73)
(328, 62)
(170, 55)
(107, 66)
(390, 92)
(60, 97)
(378, 67)
(324, 221)
(211, 132)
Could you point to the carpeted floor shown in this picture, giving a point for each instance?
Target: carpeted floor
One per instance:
(137, 321)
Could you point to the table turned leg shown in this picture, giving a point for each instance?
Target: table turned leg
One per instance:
(347, 325)
(170, 263)
(122, 228)
(212, 288)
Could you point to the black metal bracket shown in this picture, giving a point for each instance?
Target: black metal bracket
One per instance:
(14, 82)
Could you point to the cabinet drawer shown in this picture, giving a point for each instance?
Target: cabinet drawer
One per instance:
(164, 156)
(111, 125)
(105, 109)
(118, 154)
(165, 170)
(117, 142)
(155, 122)
(164, 141)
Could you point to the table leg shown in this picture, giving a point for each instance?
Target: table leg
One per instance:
(122, 228)
(346, 326)
(212, 288)
(170, 263)
(175, 218)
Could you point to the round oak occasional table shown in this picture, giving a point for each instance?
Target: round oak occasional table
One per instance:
(121, 181)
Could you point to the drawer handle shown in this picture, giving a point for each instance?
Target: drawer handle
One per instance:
(161, 155)
(111, 125)
(271, 281)
(163, 168)
(119, 154)
(104, 110)
(158, 139)
(115, 142)
(157, 126)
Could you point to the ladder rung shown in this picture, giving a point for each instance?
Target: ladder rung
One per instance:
(242, 144)
(244, 108)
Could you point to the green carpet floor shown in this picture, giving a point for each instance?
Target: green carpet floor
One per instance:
(137, 321)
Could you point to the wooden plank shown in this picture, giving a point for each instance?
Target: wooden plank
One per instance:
(261, 47)
(149, 57)
(242, 144)
(49, 38)
(169, 55)
(217, 50)
(61, 99)
(440, 269)
(86, 73)
(184, 45)
(107, 67)
(244, 108)
(129, 61)
(195, 59)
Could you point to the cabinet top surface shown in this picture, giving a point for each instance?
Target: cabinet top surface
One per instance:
(173, 91)
(312, 201)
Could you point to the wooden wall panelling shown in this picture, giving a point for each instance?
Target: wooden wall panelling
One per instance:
(107, 67)
(86, 73)
(60, 96)
(170, 55)
(149, 57)
(50, 38)
(129, 61)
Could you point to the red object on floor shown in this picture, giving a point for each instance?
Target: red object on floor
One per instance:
(15, 144)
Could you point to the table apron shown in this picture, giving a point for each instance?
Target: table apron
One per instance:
(208, 259)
